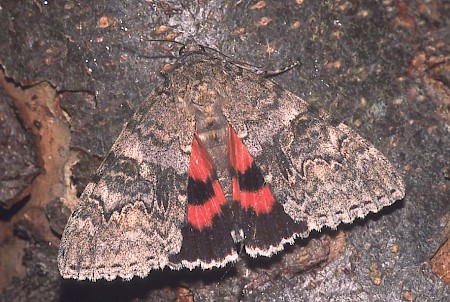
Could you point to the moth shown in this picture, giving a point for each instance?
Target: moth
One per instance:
(218, 157)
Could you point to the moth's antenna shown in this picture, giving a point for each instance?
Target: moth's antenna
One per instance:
(270, 73)
(161, 40)
(254, 69)
(166, 56)
(183, 45)
(266, 73)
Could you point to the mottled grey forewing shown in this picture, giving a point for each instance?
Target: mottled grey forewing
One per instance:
(128, 220)
(321, 171)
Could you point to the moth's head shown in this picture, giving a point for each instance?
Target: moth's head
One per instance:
(189, 54)
(195, 78)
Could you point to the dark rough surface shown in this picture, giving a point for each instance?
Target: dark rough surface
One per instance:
(42, 280)
(57, 214)
(373, 64)
(17, 155)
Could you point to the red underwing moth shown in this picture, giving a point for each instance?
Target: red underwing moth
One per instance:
(216, 157)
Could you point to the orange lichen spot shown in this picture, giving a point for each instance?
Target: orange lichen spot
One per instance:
(105, 22)
(170, 37)
(296, 25)
(161, 29)
(333, 65)
(259, 5)
(264, 21)
(166, 68)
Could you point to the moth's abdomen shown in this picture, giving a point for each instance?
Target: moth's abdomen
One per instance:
(212, 130)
